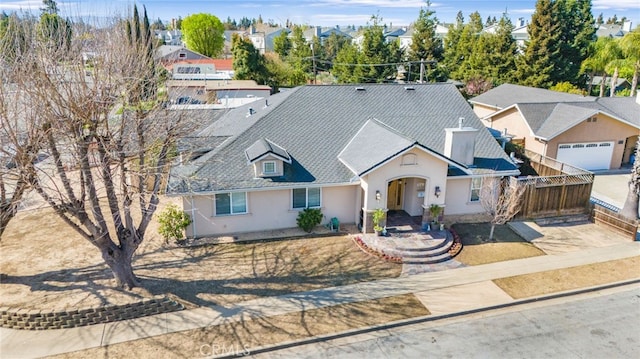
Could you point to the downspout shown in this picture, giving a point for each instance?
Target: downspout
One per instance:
(193, 217)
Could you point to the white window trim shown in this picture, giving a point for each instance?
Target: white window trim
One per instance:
(264, 168)
(471, 188)
(306, 200)
(231, 212)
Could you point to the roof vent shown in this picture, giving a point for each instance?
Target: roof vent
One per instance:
(251, 111)
(409, 88)
(266, 103)
(460, 122)
(359, 88)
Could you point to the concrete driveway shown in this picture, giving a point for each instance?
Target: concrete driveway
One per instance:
(611, 187)
(567, 237)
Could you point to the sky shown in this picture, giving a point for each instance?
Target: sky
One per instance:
(318, 12)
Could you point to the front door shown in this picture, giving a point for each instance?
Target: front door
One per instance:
(395, 193)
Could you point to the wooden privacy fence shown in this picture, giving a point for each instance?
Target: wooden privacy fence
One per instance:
(559, 189)
(615, 221)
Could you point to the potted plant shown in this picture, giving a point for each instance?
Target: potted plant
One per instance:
(378, 216)
(434, 211)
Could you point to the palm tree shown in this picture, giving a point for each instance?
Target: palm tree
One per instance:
(630, 45)
(630, 208)
(601, 53)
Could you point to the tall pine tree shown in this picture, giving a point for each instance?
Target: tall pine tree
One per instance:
(425, 45)
(535, 67)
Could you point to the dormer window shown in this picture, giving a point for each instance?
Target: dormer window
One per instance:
(268, 159)
(269, 167)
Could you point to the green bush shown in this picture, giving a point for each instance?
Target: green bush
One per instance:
(309, 218)
(378, 216)
(173, 221)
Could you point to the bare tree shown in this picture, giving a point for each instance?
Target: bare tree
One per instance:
(500, 198)
(630, 208)
(107, 153)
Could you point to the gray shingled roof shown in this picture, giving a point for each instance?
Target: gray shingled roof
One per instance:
(315, 123)
(263, 147)
(550, 113)
(364, 152)
(506, 95)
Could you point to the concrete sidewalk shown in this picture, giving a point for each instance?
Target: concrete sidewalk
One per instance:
(443, 292)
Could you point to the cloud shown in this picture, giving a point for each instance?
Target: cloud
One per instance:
(616, 4)
(371, 3)
(20, 5)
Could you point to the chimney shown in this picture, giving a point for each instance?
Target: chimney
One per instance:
(460, 143)
(638, 98)
(626, 26)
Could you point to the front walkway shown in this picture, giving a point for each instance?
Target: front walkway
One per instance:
(443, 292)
(420, 250)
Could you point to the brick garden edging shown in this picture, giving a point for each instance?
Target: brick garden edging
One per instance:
(42, 319)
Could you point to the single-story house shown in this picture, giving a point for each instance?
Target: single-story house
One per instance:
(214, 91)
(592, 133)
(346, 149)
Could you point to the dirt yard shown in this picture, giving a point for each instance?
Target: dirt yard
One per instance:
(478, 249)
(45, 265)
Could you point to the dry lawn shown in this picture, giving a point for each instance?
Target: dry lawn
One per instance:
(45, 265)
(535, 284)
(506, 244)
(252, 333)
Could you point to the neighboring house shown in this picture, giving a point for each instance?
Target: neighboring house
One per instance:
(592, 133)
(167, 54)
(201, 69)
(169, 37)
(613, 31)
(621, 83)
(189, 92)
(322, 33)
(346, 149)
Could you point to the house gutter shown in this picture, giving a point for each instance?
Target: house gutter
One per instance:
(261, 189)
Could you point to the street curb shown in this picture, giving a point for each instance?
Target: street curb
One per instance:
(423, 319)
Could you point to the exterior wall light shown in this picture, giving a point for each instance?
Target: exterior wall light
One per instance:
(437, 192)
(378, 196)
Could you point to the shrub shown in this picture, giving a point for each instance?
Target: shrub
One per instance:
(309, 218)
(377, 217)
(172, 222)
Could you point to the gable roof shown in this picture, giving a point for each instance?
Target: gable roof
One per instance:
(315, 124)
(364, 151)
(550, 113)
(264, 147)
(508, 94)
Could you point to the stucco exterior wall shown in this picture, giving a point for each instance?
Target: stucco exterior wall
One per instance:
(604, 129)
(514, 123)
(483, 110)
(267, 210)
(427, 167)
(457, 198)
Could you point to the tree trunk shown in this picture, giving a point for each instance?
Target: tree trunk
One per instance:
(120, 263)
(614, 81)
(634, 81)
(603, 84)
(493, 227)
(630, 207)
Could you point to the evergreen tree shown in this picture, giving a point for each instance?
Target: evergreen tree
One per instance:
(282, 44)
(535, 67)
(378, 58)
(346, 67)
(330, 48)
(451, 41)
(503, 52)
(248, 62)
(465, 47)
(141, 41)
(576, 31)
(425, 44)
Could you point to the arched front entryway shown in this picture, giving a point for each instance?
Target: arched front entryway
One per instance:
(407, 194)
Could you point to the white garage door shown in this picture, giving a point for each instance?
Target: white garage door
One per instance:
(586, 155)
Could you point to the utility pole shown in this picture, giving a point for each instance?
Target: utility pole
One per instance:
(313, 56)
(421, 70)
